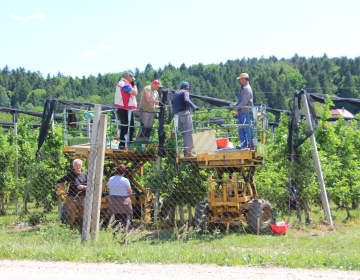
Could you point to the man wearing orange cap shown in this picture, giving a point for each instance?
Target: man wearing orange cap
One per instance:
(148, 103)
(245, 99)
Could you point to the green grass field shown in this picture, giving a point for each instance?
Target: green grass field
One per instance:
(327, 249)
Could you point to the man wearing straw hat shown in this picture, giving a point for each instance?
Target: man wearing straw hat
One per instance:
(245, 99)
(148, 103)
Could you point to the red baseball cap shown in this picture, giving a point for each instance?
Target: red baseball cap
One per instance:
(157, 82)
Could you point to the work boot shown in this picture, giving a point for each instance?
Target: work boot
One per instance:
(190, 155)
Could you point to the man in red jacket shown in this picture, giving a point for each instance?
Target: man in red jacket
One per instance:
(125, 99)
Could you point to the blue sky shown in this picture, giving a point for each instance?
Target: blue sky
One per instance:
(89, 37)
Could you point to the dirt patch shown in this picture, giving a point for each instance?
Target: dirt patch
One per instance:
(35, 270)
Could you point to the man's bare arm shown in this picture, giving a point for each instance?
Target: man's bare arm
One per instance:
(81, 188)
(149, 99)
(134, 91)
(61, 186)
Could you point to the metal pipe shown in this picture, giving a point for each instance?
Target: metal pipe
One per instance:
(324, 198)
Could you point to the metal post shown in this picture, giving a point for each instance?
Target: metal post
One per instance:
(91, 175)
(16, 171)
(176, 122)
(324, 198)
(117, 126)
(127, 137)
(156, 201)
(53, 122)
(99, 176)
(88, 126)
(65, 127)
(272, 132)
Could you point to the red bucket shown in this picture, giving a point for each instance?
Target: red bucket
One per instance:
(279, 228)
(222, 143)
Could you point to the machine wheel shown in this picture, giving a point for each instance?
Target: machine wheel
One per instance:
(200, 215)
(63, 218)
(259, 215)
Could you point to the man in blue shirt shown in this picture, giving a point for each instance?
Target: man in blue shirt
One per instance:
(182, 105)
(245, 99)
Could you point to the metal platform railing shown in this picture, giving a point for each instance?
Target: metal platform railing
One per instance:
(82, 134)
(227, 126)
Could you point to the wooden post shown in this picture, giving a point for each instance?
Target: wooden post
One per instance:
(99, 169)
(272, 132)
(181, 213)
(190, 214)
(91, 175)
(324, 198)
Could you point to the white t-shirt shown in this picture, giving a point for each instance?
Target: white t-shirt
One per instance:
(119, 185)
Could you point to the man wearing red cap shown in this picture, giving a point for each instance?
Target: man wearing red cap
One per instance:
(148, 103)
(245, 99)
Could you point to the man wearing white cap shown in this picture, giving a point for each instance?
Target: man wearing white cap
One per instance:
(245, 99)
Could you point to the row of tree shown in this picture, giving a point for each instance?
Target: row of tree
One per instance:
(273, 81)
(184, 183)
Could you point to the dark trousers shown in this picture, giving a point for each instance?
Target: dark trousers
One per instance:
(122, 218)
(123, 116)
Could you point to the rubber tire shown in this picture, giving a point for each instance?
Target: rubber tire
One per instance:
(63, 218)
(259, 215)
(200, 213)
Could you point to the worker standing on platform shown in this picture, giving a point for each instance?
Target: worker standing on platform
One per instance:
(245, 116)
(125, 99)
(148, 103)
(182, 105)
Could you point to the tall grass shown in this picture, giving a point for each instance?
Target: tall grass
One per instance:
(337, 250)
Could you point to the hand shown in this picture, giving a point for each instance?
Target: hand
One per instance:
(196, 108)
(81, 188)
(133, 84)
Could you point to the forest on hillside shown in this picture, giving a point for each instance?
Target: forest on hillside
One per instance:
(273, 81)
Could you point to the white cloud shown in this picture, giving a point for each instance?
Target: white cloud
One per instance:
(16, 17)
(77, 15)
(90, 53)
(37, 16)
(104, 48)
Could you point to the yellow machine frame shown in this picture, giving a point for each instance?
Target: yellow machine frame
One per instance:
(137, 161)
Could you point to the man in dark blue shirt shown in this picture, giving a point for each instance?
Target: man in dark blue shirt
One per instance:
(76, 193)
(182, 105)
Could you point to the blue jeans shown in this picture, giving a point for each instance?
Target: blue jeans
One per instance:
(244, 132)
